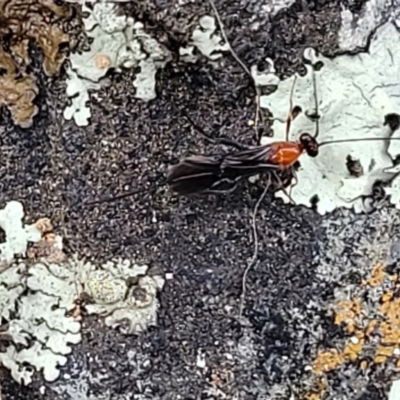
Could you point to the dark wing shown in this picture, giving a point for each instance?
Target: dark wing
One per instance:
(198, 173)
(248, 162)
(194, 174)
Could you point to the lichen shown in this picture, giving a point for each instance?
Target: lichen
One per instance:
(206, 40)
(120, 290)
(47, 284)
(20, 22)
(78, 92)
(119, 42)
(354, 94)
(38, 342)
(17, 234)
(394, 393)
(356, 27)
(369, 315)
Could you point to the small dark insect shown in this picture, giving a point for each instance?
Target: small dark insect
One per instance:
(207, 172)
(212, 173)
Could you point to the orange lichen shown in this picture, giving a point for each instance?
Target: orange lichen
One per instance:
(364, 365)
(380, 328)
(22, 21)
(352, 350)
(44, 225)
(318, 391)
(327, 361)
(371, 327)
(377, 276)
(347, 312)
(102, 61)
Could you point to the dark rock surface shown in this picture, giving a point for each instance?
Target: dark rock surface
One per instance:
(55, 167)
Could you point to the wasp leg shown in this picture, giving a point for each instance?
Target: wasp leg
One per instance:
(291, 115)
(279, 180)
(233, 182)
(296, 181)
(221, 140)
(232, 143)
(316, 107)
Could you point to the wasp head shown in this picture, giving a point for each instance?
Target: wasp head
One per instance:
(310, 145)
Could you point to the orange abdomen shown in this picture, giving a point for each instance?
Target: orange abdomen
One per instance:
(285, 154)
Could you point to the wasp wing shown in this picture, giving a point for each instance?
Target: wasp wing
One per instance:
(198, 173)
(194, 174)
(249, 162)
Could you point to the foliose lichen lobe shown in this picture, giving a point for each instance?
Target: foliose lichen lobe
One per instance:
(23, 22)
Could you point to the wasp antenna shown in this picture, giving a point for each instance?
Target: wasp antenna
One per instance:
(115, 198)
(290, 116)
(316, 105)
(199, 128)
(223, 33)
(356, 140)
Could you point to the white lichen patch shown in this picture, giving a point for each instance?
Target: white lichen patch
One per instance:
(206, 40)
(118, 42)
(17, 234)
(78, 92)
(122, 291)
(37, 321)
(37, 304)
(393, 190)
(354, 94)
(356, 28)
(394, 393)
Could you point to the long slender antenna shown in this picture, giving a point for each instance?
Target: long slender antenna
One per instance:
(118, 197)
(221, 27)
(255, 254)
(220, 140)
(290, 116)
(357, 140)
(240, 62)
(316, 105)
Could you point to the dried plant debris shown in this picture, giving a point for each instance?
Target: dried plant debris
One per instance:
(354, 95)
(206, 40)
(20, 22)
(369, 315)
(118, 42)
(17, 91)
(50, 247)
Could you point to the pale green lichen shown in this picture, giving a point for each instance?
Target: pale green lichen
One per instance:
(17, 234)
(120, 290)
(205, 39)
(119, 42)
(354, 94)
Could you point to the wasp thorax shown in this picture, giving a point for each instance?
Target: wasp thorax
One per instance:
(309, 144)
